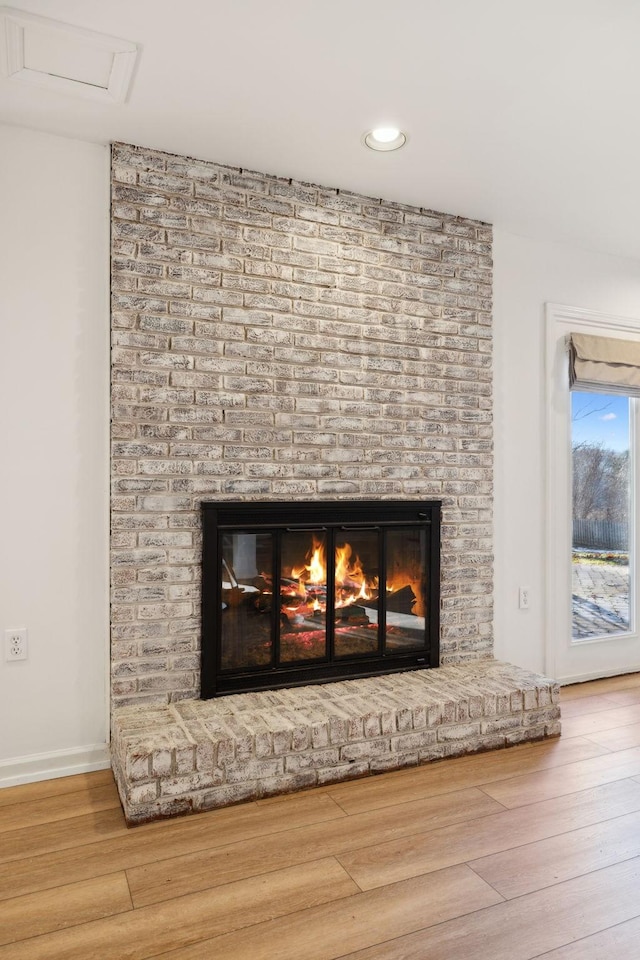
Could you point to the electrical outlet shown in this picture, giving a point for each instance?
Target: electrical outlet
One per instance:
(524, 598)
(15, 644)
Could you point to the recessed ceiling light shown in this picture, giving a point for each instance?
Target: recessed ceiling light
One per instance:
(385, 138)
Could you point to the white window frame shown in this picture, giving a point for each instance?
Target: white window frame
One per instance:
(565, 659)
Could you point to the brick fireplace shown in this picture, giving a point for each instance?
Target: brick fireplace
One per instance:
(278, 340)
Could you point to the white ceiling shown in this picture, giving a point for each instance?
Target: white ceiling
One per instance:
(520, 112)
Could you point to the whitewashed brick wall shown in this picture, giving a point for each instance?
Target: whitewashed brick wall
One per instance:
(277, 340)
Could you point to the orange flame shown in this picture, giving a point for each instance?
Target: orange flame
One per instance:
(343, 570)
(316, 569)
(350, 580)
(350, 576)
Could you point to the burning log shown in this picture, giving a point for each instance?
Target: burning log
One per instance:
(399, 601)
(353, 614)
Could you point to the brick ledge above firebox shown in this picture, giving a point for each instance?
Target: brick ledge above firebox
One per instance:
(196, 755)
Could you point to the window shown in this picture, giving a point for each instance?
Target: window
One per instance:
(601, 514)
(590, 623)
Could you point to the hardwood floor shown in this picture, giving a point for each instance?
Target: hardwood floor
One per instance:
(533, 852)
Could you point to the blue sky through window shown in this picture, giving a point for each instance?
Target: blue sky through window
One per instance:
(600, 418)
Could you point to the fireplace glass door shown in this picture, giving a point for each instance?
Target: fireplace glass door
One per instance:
(301, 593)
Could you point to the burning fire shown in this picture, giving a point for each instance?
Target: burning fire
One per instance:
(316, 569)
(398, 579)
(350, 580)
(351, 583)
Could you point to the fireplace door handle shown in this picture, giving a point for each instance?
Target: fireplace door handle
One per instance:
(306, 529)
(356, 526)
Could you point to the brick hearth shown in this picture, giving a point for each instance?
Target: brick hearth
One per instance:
(196, 755)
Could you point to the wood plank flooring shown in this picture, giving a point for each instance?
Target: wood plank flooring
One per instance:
(532, 852)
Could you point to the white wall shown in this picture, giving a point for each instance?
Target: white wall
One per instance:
(529, 273)
(54, 421)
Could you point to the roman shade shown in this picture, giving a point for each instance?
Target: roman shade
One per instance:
(605, 364)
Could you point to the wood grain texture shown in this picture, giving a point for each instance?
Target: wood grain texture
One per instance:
(446, 776)
(626, 682)
(151, 842)
(582, 775)
(29, 813)
(180, 875)
(585, 725)
(623, 697)
(619, 942)
(619, 738)
(532, 852)
(537, 865)
(384, 863)
(61, 834)
(582, 705)
(526, 928)
(337, 929)
(39, 913)
(179, 922)
(56, 787)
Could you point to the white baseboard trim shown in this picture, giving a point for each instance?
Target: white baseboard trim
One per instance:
(58, 763)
